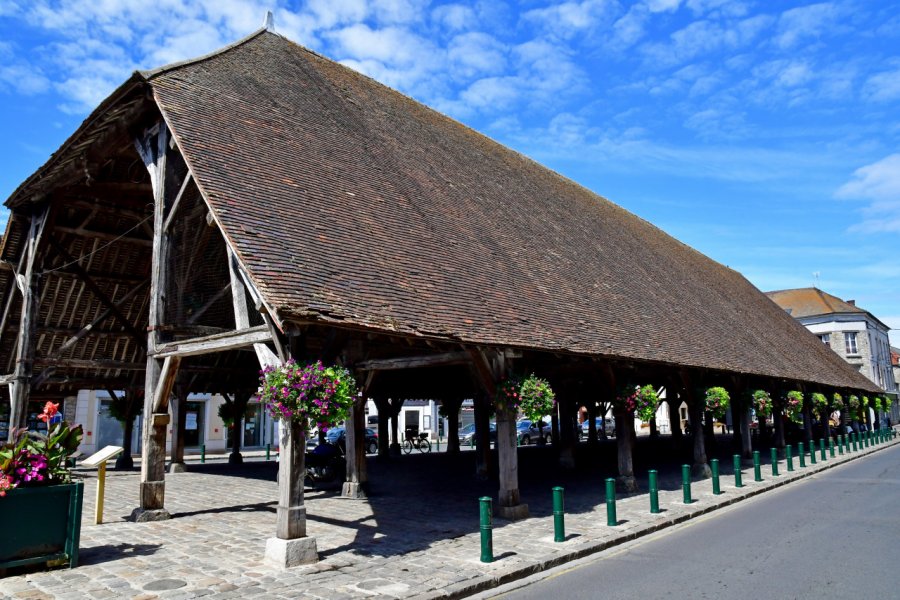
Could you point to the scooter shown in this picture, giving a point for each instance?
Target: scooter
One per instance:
(326, 463)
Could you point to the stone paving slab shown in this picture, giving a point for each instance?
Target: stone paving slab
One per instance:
(416, 536)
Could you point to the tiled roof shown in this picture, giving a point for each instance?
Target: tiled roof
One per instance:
(811, 302)
(353, 204)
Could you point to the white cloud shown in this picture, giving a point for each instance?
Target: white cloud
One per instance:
(879, 183)
(569, 18)
(24, 79)
(330, 13)
(494, 93)
(883, 86)
(399, 11)
(799, 24)
(656, 6)
(454, 17)
(473, 54)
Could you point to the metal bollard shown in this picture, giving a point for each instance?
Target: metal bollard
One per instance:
(714, 465)
(801, 454)
(774, 462)
(559, 515)
(853, 437)
(202, 453)
(611, 519)
(686, 483)
(654, 493)
(487, 542)
(268, 451)
(822, 454)
(737, 471)
(812, 452)
(840, 445)
(789, 458)
(757, 467)
(831, 446)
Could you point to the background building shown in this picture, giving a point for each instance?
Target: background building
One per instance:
(855, 334)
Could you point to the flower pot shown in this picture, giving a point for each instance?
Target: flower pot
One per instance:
(40, 524)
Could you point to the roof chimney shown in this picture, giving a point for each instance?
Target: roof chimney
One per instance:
(269, 23)
(851, 302)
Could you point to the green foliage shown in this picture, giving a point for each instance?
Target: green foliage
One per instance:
(793, 405)
(819, 404)
(227, 412)
(309, 395)
(33, 458)
(853, 403)
(837, 401)
(531, 395)
(762, 403)
(717, 400)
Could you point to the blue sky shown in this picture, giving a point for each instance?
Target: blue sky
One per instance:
(764, 134)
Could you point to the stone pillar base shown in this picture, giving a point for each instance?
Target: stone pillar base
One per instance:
(627, 484)
(353, 490)
(235, 458)
(701, 471)
(144, 515)
(290, 553)
(177, 467)
(513, 513)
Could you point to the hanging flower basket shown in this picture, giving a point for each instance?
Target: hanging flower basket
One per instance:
(308, 395)
(762, 403)
(878, 404)
(853, 403)
(819, 404)
(793, 406)
(640, 401)
(717, 400)
(531, 395)
(837, 401)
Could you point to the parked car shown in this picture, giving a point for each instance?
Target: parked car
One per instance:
(608, 425)
(338, 436)
(467, 434)
(528, 432)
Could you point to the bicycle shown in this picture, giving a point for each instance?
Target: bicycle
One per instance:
(419, 442)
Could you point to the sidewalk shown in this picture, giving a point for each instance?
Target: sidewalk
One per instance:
(417, 536)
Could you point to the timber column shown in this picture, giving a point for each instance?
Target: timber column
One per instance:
(157, 385)
(355, 431)
(509, 505)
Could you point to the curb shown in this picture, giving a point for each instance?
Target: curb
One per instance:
(483, 583)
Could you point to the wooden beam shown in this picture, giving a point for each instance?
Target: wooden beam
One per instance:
(100, 294)
(242, 316)
(83, 363)
(97, 189)
(113, 278)
(220, 342)
(103, 235)
(187, 179)
(166, 383)
(413, 362)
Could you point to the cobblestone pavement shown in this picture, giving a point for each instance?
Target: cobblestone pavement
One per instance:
(416, 536)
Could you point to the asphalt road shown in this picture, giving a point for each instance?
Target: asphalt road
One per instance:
(834, 535)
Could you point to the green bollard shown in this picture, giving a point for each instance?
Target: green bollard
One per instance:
(831, 446)
(840, 445)
(774, 462)
(487, 542)
(737, 471)
(822, 454)
(654, 493)
(790, 459)
(812, 452)
(714, 465)
(757, 467)
(611, 519)
(559, 515)
(268, 451)
(801, 454)
(853, 437)
(202, 453)
(686, 483)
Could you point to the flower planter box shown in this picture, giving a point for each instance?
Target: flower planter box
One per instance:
(40, 524)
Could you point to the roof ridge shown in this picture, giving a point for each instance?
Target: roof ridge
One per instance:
(152, 73)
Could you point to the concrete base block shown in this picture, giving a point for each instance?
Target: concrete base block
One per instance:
(291, 553)
(353, 490)
(141, 515)
(513, 513)
(626, 484)
(701, 471)
(177, 467)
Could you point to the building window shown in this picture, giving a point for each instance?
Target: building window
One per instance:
(850, 340)
(826, 339)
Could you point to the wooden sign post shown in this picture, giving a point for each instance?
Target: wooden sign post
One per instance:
(98, 459)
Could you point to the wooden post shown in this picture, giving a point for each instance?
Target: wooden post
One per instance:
(355, 485)
(20, 387)
(566, 429)
(384, 422)
(179, 401)
(700, 469)
(291, 546)
(509, 504)
(153, 148)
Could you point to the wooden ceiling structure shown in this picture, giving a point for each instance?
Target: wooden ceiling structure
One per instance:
(262, 203)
